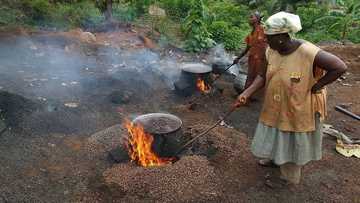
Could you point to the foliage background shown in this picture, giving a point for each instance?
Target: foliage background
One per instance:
(195, 25)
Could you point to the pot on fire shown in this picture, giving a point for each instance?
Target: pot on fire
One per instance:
(154, 138)
(194, 76)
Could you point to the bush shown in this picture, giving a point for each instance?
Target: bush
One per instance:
(37, 11)
(316, 36)
(10, 16)
(354, 35)
(231, 36)
(231, 13)
(218, 29)
(177, 9)
(198, 38)
(124, 13)
(83, 14)
(141, 6)
(234, 38)
(309, 14)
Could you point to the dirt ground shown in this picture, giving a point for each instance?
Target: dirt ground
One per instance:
(58, 152)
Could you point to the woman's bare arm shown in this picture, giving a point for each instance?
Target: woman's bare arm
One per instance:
(258, 83)
(334, 66)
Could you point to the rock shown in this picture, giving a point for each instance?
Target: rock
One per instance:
(88, 37)
(120, 97)
(2, 125)
(71, 104)
(15, 107)
(119, 155)
(148, 43)
(70, 48)
(84, 36)
(156, 11)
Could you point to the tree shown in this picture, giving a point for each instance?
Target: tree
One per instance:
(345, 18)
(105, 7)
(273, 6)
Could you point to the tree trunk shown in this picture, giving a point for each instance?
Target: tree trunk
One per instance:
(108, 12)
(344, 32)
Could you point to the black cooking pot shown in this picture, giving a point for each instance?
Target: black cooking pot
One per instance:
(186, 85)
(166, 131)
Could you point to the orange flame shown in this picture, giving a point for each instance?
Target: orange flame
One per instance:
(140, 144)
(202, 86)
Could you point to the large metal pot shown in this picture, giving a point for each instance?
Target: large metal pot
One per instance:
(190, 72)
(166, 130)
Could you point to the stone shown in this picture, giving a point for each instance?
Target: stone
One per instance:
(118, 155)
(120, 97)
(88, 37)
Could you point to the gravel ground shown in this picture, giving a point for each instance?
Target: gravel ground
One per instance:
(191, 179)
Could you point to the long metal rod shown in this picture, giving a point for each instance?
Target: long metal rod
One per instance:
(206, 131)
(347, 112)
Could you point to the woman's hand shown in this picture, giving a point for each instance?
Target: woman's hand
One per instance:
(316, 89)
(236, 60)
(241, 100)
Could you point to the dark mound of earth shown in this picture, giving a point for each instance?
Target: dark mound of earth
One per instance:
(14, 107)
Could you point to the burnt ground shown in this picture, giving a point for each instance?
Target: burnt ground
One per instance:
(57, 96)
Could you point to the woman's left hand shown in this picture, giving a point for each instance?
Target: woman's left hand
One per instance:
(316, 88)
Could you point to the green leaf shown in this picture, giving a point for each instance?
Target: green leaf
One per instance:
(327, 18)
(334, 25)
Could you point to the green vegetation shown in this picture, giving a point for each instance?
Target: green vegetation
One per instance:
(195, 28)
(195, 25)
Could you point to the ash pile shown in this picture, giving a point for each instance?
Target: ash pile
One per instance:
(13, 109)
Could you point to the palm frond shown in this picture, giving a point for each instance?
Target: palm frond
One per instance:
(334, 25)
(329, 17)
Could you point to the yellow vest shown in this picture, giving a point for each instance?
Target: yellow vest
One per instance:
(289, 104)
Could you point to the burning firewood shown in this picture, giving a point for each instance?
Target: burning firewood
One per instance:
(202, 86)
(140, 147)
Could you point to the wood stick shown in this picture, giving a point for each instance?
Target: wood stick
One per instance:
(206, 131)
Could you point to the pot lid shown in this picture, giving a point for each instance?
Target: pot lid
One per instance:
(196, 68)
(159, 123)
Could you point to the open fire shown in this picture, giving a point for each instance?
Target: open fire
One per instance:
(202, 86)
(140, 147)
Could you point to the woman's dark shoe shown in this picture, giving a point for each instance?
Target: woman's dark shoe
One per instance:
(277, 183)
(267, 163)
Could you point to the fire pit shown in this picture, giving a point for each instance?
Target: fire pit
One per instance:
(194, 77)
(154, 138)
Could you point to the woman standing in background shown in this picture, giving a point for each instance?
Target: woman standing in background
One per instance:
(256, 45)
